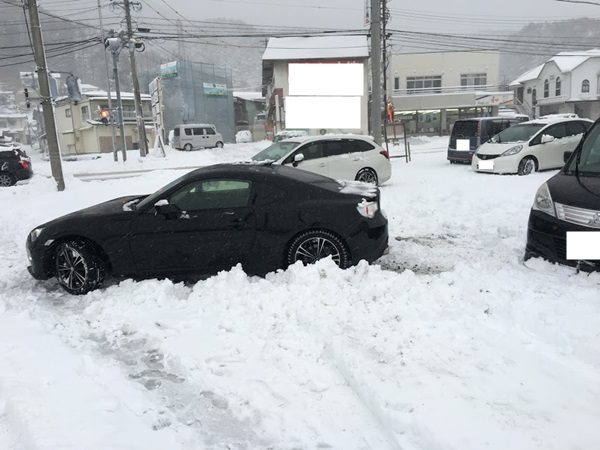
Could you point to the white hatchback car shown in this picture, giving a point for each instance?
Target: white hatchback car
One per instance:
(529, 146)
(342, 157)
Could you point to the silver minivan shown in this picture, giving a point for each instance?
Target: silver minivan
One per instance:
(196, 135)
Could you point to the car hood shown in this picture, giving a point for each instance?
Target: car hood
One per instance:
(582, 193)
(111, 207)
(497, 149)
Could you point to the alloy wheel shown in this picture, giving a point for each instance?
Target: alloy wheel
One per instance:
(5, 180)
(529, 167)
(316, 248)
(72, 269)
(367, 176)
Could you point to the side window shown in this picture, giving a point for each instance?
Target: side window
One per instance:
(574, 128)
(557, 131)
(334, 148)
(209, 131)
(311, 151)
(188, 131)
(176, 132)
(587, 125)
(197, 131)
(362, 146)
(212, 194)
(267, 194)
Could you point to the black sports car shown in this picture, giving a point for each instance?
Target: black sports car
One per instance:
(264, 217)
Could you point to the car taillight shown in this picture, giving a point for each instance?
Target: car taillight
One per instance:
(385, 153)
(367, 209)
(24, 164)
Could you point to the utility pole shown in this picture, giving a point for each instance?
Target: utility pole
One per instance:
(384, 20)
(180, 43)
(376, 70)
(114, 44)
(136, 83)
(112, 123)
(45, 100)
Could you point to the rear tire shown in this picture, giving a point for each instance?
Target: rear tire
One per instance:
(219, 145)
(188, 147)
(311, 246)
(6, 180)
(527, 166)
(367, 175)
(79, 269)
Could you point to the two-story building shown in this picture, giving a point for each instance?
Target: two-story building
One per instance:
(566, 83)
(80, 128)
(430, 91)
(317, 83)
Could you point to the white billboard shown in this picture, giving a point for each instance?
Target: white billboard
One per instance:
(323, 112)
(338, 79)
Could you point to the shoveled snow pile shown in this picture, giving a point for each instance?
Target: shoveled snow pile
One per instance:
(449, 342)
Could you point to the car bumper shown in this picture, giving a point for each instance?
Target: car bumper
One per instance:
(460, 156)
(499, 165)
(37, 262)
(547, 239)
(370, 241)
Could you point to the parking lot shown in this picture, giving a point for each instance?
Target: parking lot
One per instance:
(450, 341)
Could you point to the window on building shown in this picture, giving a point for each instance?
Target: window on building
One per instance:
(421, 85)
(534, 97)
(396, 83)
(558, 89)
(546, 88)
(68, 112)
(585, 86)
(85, 113)
(473, 80)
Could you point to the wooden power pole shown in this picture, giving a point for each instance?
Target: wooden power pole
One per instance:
(376, 97)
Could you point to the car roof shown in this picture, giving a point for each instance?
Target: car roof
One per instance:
(324, 137)
(479, 119)
(196, 125)
(552, 120)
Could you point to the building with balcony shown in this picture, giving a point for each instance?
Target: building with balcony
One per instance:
(430, 91)
(80, 129)
(567, 83)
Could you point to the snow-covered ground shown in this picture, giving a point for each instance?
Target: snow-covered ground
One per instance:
(449, 342)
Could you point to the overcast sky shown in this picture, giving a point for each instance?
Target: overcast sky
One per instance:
(443, 15)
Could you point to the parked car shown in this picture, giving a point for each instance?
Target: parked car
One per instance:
(194, 136)
(530, 146)
(243, 136)
(288, 134)
(468, 134)
(564, 222)
(15, 165)
(343, 157)
(262, 216)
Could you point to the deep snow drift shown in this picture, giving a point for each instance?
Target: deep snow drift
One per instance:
(449, 342)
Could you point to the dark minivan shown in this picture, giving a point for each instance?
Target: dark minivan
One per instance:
(564, 223)
(15, 165)
(468, 134)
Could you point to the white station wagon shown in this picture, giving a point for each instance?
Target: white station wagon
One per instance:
(530, 146)
(342, 157)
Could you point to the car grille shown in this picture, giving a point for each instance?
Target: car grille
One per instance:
(579, 216)
(486, 157)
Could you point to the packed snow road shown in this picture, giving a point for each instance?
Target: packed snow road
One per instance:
(449, 342)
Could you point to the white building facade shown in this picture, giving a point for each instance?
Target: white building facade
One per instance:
(567, 83)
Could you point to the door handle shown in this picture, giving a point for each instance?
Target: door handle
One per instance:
(322, 165)
(228, 213)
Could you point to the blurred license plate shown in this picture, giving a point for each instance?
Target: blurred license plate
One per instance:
(486, 165)
(583, 245)
(463, 145)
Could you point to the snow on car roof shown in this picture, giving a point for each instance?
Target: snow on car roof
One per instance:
(302, 139)
(316, 47)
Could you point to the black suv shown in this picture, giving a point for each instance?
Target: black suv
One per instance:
(564, 224)
(15, 165)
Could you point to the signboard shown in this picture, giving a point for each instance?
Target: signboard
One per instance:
(215, 89)
(495, 99)
(168, 70)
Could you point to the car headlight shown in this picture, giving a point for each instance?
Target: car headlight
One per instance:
(543, 201)
(35, 234)
(513, 150)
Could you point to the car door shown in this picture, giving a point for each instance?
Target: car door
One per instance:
(313, 158)
(210, 137)
(213, 229)
(550, 154)
(186, 137)
(344, 157)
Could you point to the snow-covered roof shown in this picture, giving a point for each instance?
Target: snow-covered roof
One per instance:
(100, 94)
(566, 62)
(247, 95)
(316, 47)
(13, 116)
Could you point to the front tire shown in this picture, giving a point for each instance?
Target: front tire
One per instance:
(527, 166)
(79, 269)
(367, 175)
(311, 246)
(6, 180)
(188, 147)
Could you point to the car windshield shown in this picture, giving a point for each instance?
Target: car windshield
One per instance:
(276, 151)
(517, 133)
(589, 159)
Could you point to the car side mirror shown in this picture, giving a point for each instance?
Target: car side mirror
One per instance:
(164, 208)
(298, 158)
(567, 156)
(547, 138)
